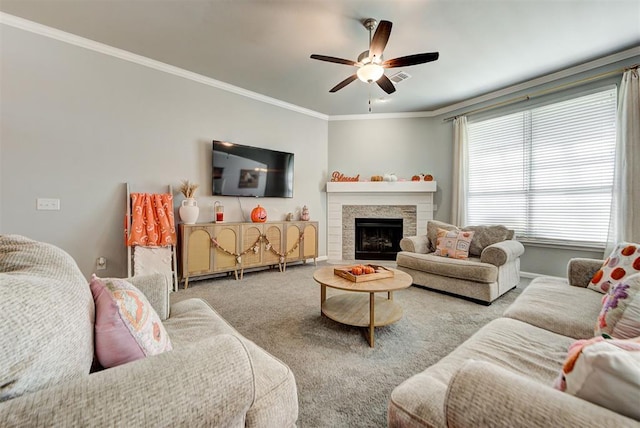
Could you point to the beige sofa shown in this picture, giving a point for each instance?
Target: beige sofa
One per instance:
(502, 376)
(212, 377)
(492, 269)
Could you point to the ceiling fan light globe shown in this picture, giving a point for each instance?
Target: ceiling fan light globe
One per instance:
(370, 73)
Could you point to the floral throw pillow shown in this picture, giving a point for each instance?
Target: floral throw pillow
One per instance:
(453, 243)
(127, 328)
(620, 314)
(623, 261)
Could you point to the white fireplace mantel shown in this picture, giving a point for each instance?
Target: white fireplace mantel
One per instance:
(381, 186)
(376, 193)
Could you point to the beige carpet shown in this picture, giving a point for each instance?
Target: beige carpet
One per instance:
(342, 382)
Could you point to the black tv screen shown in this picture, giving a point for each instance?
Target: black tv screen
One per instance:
(251, 171)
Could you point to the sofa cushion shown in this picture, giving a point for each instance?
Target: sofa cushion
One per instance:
(623, 261)
(127, 327)
(551, 303)
(487, 235)
(470, 269)
(482, 394)
(194, 320)
(604, 372)
(47, 317)
(620, 314)
(516, 346)
(453, 244)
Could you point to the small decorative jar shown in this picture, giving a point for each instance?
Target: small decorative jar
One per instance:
(305, 214)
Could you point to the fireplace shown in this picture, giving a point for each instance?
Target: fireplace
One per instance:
(410, 200)
(377, 238)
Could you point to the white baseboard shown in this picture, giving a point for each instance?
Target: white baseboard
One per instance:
(537, 275)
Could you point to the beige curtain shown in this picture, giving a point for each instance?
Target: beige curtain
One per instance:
(460, 168)
(623, 224)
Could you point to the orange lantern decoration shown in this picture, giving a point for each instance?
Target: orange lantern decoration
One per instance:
(259, 215)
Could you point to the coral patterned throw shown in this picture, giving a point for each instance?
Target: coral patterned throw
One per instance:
(127, 328)
(152, 222)
(623, 262)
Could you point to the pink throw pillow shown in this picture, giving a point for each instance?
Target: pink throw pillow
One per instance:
(453, 243)
(623, 262)
(127, 328)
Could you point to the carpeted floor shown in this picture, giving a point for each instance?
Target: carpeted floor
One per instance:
(342, 382)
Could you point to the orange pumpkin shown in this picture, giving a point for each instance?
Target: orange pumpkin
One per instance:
(428, 177)
(259, 215)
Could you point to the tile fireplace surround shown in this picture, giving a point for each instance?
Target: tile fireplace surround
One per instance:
(410, 200)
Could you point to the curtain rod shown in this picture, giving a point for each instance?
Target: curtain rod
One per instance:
(544, 92)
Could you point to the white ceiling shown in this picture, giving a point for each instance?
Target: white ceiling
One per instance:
(264, 45)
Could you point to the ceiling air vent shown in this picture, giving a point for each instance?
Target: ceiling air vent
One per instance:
(399, 77)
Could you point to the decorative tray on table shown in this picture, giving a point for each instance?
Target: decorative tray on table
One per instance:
(362, 273)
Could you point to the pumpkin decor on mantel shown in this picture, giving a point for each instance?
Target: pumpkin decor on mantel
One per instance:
(259, 215)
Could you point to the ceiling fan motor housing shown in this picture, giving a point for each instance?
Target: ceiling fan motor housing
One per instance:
(363, 58)
(370, 24)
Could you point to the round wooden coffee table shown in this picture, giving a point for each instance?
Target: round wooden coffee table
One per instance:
(356, 308)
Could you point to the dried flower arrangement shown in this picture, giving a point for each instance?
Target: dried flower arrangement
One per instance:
(188, 188)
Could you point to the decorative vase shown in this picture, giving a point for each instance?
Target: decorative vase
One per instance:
(189, 211)
(305, 214)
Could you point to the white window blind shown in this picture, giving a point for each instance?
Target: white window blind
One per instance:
(546, 172)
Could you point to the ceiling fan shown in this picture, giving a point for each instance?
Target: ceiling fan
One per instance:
(370, 62)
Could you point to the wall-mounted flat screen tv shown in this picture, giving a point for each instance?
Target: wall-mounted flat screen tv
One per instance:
(251, 171)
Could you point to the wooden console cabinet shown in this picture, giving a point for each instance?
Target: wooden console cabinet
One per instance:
(210, 248)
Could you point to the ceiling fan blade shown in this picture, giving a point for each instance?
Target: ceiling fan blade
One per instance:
(386, 84)
(344, 83)
(380, 39)
(405, 61)
(334, 59)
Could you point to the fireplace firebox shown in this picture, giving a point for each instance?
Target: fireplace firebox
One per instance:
(377, 238)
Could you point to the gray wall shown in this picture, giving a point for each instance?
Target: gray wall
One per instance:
(402, 146)
(412, 145)
(77, 124)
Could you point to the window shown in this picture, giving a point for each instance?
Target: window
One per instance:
(546, 172)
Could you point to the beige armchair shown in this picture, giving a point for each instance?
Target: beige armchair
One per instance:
(492, 269)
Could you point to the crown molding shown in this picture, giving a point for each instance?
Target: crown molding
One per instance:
(43, 30)
(72, 39)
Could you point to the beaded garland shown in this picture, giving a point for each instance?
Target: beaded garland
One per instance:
(255, 247)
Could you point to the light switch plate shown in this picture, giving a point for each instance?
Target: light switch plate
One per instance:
(48, 204)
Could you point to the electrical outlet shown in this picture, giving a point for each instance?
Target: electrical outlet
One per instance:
(101, 263)
(48, 204)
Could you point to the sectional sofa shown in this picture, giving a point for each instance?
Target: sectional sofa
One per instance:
(49, 376)
(503, 375)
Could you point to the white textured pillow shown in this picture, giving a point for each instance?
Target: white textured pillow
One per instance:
(608, 375)
(620, 314)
